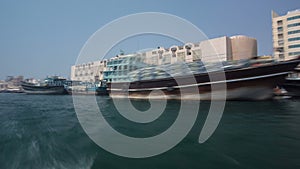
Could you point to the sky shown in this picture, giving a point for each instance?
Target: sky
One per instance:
(41, 38)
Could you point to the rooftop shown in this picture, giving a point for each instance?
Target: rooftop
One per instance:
(294, 11)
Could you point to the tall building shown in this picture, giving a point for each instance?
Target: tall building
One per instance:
(286, 35)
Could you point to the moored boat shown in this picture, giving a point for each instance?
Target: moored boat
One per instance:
(247, 81)
(292, 84)
(50, 85)
(12, 90)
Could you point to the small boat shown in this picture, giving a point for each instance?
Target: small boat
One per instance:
(87, 88)
(252, 80)
(292, 84)
(102, 89)
(50, 85)
(12, 90)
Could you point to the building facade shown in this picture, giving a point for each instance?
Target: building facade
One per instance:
(286, 35)
(88, 72)
(243, 47)
(209, 51)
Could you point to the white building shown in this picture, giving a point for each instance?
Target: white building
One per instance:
(89, 72)
(286, 35)
(212, 50)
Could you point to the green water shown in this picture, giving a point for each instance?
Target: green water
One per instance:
(38, 132)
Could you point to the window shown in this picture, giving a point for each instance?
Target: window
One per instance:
(294, 39)
(294, 46)
(160, 56)
(293, 25)
(280, 42)
(294, 53)
(280, 36)
(294, 17)
(279, 23)
(293, 32)
(280, 29)
(166, 59)
(281, 56)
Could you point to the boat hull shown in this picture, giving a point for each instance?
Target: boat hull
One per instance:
(49, 90)
(251, 83)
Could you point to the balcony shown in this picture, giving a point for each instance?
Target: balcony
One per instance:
(279, 49)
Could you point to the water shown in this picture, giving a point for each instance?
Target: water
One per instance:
(38, 132)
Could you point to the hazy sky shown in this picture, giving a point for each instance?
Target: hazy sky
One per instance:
(40, 38)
